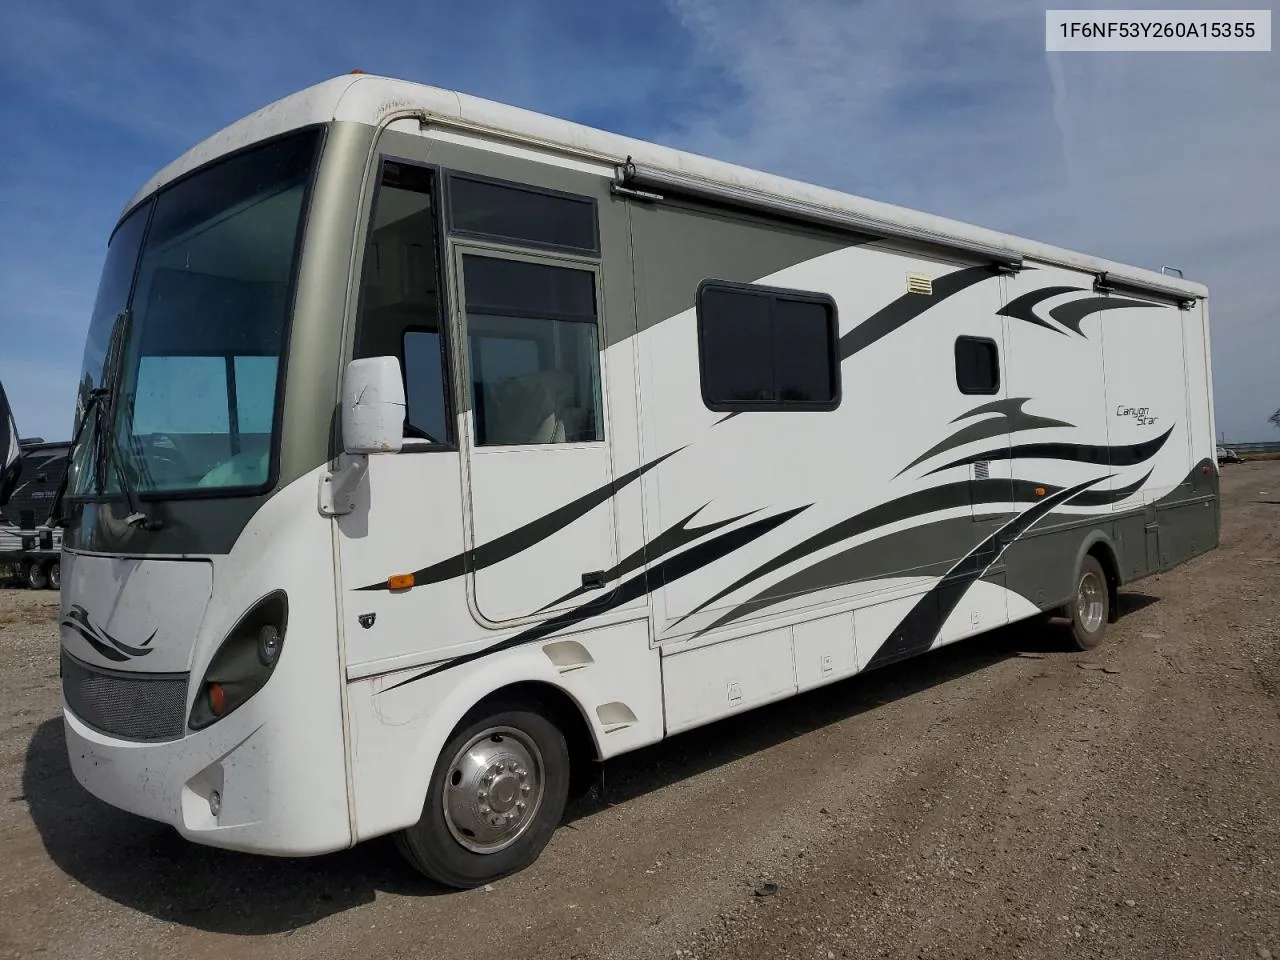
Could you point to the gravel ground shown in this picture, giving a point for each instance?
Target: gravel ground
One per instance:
(1001, 798)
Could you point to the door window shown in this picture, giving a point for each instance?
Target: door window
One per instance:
(533, 340)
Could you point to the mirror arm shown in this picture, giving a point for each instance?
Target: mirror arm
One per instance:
(338, 485)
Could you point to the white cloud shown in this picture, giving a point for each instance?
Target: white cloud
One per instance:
(956, 109)
(949, 107)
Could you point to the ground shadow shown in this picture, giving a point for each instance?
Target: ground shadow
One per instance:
(706, 748)
(148, 867)
(1128, 602)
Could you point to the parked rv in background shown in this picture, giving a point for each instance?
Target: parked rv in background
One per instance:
(30, 473)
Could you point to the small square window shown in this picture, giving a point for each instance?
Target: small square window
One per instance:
(977, 365)
(766, 349)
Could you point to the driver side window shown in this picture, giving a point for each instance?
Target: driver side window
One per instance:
(401, 307)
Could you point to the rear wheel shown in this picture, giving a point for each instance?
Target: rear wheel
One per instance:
(1090, 610)
(496, 796)
(35, 576)
(54, 575)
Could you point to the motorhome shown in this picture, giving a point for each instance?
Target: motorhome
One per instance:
(31, 473)
(30, 545)
(429, 450)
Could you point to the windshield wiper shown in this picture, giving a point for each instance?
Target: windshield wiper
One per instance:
(95, 409)
(107, 421)
(101, 404)
(107, 434)
(94, 398)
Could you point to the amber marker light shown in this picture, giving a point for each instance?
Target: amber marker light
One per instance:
(400, 581)
(217, 699)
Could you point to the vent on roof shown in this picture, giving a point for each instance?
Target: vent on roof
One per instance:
(919, 283)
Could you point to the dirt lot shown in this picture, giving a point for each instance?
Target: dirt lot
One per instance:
(1000, 798)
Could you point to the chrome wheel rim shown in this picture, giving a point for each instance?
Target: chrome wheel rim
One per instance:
(1090, 601)
(493, 789)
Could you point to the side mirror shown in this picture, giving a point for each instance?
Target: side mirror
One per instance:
(373, 406)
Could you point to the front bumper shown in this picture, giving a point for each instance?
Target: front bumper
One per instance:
(260, 807)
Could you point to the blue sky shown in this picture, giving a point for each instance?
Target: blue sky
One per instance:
(953, 108)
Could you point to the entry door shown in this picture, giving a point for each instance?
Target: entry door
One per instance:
(980, 356)
(539, 483)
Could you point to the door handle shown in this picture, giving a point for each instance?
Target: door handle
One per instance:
(593, 580)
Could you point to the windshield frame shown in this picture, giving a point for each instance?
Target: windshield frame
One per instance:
(97, 458)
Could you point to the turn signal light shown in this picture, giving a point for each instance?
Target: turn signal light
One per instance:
(217, 699)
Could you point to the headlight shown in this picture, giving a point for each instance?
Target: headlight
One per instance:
(269, 641)
(243, 663)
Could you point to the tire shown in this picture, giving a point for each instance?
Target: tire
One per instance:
(53, 574)
(455, 841)
(1090, 609)
(34, 574)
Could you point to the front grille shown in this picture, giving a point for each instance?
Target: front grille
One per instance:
(131, 706)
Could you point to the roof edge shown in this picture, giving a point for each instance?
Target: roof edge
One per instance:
(371, 99)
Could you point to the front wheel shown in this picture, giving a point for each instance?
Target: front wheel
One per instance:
(496, 796)
(1091, 608)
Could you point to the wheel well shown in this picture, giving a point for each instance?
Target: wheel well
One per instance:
(1103, 553)
(565, 713)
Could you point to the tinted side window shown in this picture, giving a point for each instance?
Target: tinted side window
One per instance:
(524, 215)
(535, 356)
(803, 354)
(737, 344)
(765, 349)
(977, 365)
(400, 300)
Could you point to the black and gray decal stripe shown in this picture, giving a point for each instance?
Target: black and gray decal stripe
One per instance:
(521, 538)
(919, 628)
(1012, 419)
(666, 542)
(78, 619)
(1119, 456)
(925, 550)
(1072, 314)
(916, 551)
(1023, 307)
(1102, 498)
(668, 571)
(909, 306)
(94, 642)
(942, 497)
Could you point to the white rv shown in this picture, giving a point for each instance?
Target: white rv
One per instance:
(429, 449)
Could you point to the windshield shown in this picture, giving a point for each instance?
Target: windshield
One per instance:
(189, 326)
